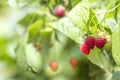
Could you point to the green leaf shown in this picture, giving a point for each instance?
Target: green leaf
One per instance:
(36, 32)
(109, 15)
(33, 31)
(34, 58)
(116, 76)
(83, 17)
(21, 55)
(116, 45)
(29, 19)
(27, 57)
(79, 14)
(67, 28)
(96, 56)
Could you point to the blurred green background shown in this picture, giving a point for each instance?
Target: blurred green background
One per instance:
(12, 28)
(10, 31)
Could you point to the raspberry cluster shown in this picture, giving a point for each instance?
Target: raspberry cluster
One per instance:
(90, 43)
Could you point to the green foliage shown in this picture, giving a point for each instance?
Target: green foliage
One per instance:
(21, 55)
(36, 32)
(116, 75)
(97, 57)
(29, 59)
(116, 45)
(67, 28)
(34, 58)
(29, 19)
(84, 18)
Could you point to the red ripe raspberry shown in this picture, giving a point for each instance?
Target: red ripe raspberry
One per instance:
(85, 49)
(53, 65)
(90, 42)
(99, 42)
(59, 11)
(73, 62)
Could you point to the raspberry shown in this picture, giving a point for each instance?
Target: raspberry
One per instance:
(59, 11)
(99, 42)
(85, 49)
(53, 65)
(73, 62)
(90, 42)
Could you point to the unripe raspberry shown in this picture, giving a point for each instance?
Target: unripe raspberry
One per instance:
(99, 42)
(102, 35)
(90, 42)
(59, 11)
(73, 62)
(85, 49)
(53, 65)
(108, 38)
